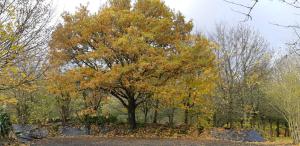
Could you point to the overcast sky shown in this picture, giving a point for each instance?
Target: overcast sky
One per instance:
(206, 13)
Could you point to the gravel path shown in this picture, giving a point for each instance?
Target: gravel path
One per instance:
(99, 141)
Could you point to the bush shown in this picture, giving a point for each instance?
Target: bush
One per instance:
(5, 124)
(89, 120)
(112, 119)
(106, 120)
(101, 120)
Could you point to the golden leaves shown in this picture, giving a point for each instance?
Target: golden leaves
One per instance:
(63, 85)
(143, 49)
(88, 111)
(5, 100)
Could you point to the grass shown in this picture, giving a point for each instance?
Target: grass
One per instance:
(280, 141)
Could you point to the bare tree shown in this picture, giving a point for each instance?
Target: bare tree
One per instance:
(243, 59)
(25, 31)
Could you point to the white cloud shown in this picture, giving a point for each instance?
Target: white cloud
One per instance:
(205, 13)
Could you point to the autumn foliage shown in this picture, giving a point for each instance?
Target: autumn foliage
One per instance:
(133, 52)
(139, 64)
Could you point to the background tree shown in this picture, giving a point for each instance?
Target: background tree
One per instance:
(283, 93)
(192, 92)
(25, 31)
(64, 89)
(146, 107)
(30, 73)
(243, 58)
(24, 35)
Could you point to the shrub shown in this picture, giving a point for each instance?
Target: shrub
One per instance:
(101, 120)
(5, 124)
(112, 119)
(89, 120)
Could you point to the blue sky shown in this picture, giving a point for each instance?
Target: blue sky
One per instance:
(206, 13)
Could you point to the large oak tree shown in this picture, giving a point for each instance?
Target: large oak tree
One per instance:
(128, 50)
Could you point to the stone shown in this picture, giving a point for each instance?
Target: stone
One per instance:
(23, 128)
(24, 138)
(38, 133)
(27, 133)
(72, 131)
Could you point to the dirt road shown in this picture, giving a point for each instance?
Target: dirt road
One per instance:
(99, 141)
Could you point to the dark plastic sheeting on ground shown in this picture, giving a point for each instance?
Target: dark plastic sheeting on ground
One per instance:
(244, 135)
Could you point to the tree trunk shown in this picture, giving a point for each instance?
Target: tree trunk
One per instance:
(155, 111)
(277, 128)
(242, 123)
(263, 124)
(252, 124)
(186, 116)
(64, 115)
(231, 124)
(64, 108)
(294, 131)
(65, 112)
(22, 113)
(87, 124)
(271, 128)
(131, 113)
(145, 115)
(231, 112)
(286, 131)
(171, 117)
(215, 123)
(187, 107)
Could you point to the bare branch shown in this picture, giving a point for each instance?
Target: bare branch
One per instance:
(286, 26)
(294, 4)
(249, 11)
(238, 4)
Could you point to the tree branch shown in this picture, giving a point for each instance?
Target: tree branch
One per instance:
(250, 8)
